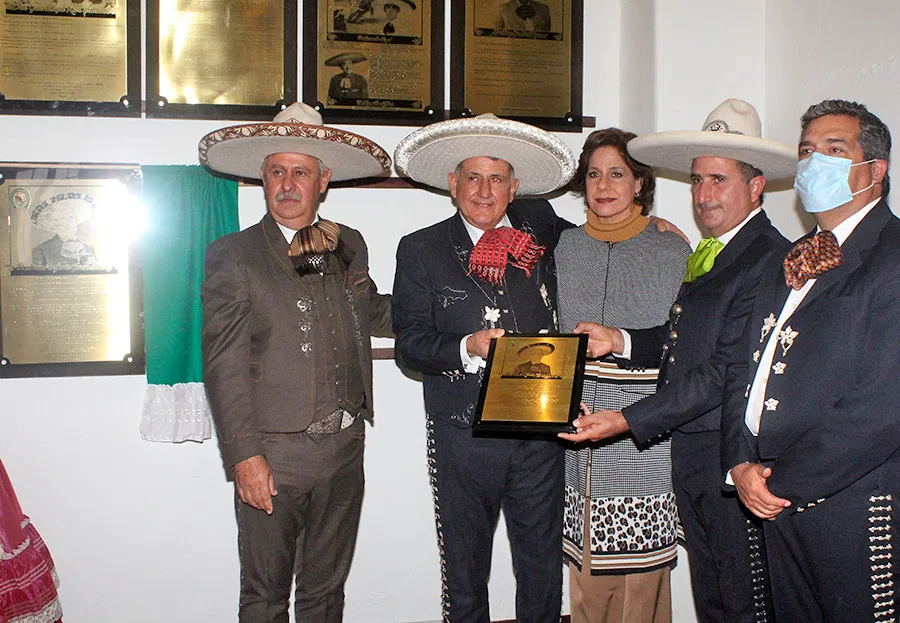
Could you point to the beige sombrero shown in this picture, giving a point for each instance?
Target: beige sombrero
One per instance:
(732, 130)
(239, 150)
(542, 162)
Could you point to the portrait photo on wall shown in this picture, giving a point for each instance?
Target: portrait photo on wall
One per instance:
(56, 232)
(376, 21)
(528, 19)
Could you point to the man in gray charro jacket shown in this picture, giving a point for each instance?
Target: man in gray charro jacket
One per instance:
(288, 308)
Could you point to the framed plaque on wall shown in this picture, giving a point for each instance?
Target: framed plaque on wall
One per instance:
(70, 281)
(70, 57)
(221, 59)
(518, 59)
(374, 61)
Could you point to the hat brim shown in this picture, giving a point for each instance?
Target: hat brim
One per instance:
(542, 162)
(676, 151)
(240, 150)
(340, 59)
(83, 212)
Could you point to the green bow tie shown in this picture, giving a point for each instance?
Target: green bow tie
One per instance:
(701, 261)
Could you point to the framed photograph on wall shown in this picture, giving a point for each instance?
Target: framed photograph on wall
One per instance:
(70, 280)
(518, 59)
(221, 59)
(374, 61)
(70, 57)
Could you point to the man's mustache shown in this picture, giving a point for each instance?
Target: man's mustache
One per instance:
(290, 195)
(708, 206)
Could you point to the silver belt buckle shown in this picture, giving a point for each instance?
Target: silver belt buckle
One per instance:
(331, 424)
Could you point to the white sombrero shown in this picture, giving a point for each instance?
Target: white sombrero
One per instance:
(239, 150)
(69, 207)
(732, 130)
(541, 161)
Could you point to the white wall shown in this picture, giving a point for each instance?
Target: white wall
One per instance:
(144, 532)
(828, 50)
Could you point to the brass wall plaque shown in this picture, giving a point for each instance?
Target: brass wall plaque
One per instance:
(519, 59)
(66, 281)
(532, 383)
(221, 51)
(64, 50)
(383, 57)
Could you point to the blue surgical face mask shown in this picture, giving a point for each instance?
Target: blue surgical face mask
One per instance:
(824, 182)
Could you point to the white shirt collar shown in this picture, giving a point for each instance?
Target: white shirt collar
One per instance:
(288, 233)
(475, 233)
(731, 233)
(846, 227)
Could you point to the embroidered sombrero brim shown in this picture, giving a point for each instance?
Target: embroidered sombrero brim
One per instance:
(240, 150)
(676, 150)
(541, 161)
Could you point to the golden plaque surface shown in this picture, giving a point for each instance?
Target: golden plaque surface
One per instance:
(221, 51)
(374, 55)
(63, 50)
(532, 383)
(65, 278)
(518, 57)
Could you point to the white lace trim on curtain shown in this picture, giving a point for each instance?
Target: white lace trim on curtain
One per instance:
(176, 413)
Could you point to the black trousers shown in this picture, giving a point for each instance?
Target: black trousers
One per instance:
(834, 561)
(472, 478)
(724, 542)
(311, 532)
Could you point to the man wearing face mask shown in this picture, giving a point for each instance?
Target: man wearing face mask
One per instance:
(815, 446)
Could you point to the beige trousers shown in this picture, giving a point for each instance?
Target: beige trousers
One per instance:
(628, 598)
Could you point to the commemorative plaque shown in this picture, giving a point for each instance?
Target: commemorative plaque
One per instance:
(532, 383)
(69, 281)
(374, 61)
(220, 58)
(70, 56)
(518, 59)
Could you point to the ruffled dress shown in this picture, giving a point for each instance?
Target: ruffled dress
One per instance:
(28, 578)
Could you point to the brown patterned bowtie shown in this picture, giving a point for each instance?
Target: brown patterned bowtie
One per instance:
(810, 258)
(320, 237)
(488, 259)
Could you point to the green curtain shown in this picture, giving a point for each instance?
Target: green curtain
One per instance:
(187, 208)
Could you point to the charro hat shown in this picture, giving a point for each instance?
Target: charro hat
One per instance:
(345, 57)
(239, 150)
(542, 162)
(732, 130)
(69, 207)
(544, 348)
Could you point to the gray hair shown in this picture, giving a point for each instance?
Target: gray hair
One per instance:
(874, 135)
(512, 171)
(262, 168)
